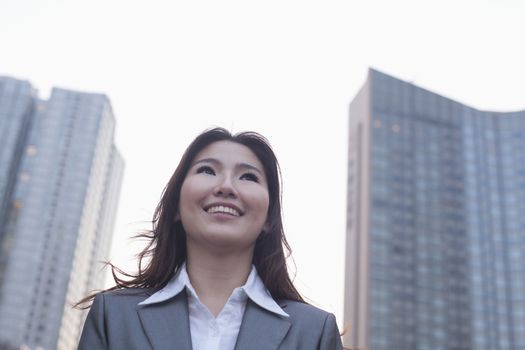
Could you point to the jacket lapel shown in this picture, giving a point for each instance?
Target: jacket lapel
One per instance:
(261, 329)
(166, 324)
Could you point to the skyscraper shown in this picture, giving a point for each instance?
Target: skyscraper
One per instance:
(61, 193)
(16, 110)
(435, 252)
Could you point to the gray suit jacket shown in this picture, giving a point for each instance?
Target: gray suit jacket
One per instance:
(115, 322)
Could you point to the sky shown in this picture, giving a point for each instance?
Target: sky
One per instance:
(286, 69)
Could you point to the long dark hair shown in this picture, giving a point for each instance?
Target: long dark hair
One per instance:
(165, 251)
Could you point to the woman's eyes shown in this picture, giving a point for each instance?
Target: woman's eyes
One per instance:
(209, 170)
(250, 177)
(206, 170)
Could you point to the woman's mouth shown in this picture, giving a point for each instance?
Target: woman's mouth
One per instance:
(223, 210)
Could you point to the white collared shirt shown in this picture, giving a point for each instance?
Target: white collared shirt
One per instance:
(217, 333)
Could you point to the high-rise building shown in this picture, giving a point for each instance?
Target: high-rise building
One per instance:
(63, 175)
(17, 99)
(435, 252)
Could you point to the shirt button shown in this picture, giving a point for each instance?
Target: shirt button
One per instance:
(214, 329)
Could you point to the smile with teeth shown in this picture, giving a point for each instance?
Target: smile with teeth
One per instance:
(223, 209)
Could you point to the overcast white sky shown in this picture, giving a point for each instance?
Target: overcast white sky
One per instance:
(287, 69)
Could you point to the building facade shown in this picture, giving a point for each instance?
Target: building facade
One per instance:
(17, 100)
(435, 252)
(59, 216)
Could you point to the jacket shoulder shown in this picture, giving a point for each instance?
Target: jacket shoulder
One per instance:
(121, 297)
(113, 321)
(299, 309)
(128, 292)
(311, 325)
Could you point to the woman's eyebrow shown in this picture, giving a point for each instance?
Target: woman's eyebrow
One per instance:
(206, 160)
(217, 162)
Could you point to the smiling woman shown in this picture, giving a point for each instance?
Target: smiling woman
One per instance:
(213, 275)
(224, 201)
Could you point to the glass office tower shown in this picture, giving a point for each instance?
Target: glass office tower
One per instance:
(16, 109)
(59, 218)
(435, 226)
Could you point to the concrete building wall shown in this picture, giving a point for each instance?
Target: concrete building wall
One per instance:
(57, 219)
(443, 185)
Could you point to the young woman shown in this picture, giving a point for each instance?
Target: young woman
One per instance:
(215, 275)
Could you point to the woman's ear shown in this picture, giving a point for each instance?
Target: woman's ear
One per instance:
(265, 228)
(177, 217)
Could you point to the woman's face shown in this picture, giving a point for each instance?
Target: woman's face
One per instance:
(224, 198)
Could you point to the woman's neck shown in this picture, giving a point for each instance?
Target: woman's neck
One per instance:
(215, 277)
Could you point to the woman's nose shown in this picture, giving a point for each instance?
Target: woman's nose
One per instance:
(225, 187)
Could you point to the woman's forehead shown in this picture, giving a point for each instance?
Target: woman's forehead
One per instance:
(228, 152)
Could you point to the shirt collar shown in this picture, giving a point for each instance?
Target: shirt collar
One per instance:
(253, 288)
(257, 292)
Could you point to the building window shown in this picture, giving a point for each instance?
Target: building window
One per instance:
(24, 177)
(31, 150)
